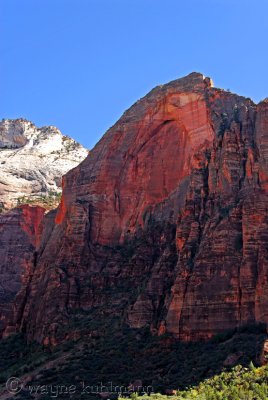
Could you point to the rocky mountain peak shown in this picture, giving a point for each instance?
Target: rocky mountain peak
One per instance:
(33, 161)
(164, 225)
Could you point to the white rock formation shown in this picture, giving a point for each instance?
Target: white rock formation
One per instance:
(32, 162)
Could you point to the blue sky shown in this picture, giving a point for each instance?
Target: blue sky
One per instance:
(78, 64)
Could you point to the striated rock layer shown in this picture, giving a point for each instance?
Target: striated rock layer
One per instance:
(20, 230)
(33, 161)
(164, 223)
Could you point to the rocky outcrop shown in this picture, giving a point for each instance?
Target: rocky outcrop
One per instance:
(33, 161)
(164, 223)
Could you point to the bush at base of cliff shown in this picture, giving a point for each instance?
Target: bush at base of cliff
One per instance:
(109, 352)
(238, 384)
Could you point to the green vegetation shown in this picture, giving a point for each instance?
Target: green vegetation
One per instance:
(101, 348)
(48, 201)
(238, 384)
(17, 357)
(70, 144)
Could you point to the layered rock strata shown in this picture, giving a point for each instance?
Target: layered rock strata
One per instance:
(33, 161)
(164, 223)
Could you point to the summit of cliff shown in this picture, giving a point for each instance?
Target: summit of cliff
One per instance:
(161, 231)
(166, 202)
(33, 161)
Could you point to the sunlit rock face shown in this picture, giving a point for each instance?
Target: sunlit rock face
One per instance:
(165, 222)
(33, 161)
(141, 160)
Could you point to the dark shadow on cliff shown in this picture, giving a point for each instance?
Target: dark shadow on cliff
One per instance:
(109, 352)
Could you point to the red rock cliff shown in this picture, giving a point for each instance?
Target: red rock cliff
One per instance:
(19, 235)
(164, 223)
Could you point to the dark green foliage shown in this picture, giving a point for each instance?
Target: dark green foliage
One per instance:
(48, 200)
(238, 384)
(18, 358)
(107, 350)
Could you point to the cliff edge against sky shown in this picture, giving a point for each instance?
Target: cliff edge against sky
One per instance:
(164, 224)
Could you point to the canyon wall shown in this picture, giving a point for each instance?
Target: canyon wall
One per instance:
(164, 224)
(20, 229)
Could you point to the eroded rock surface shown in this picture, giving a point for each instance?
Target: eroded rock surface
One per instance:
(33, 161)
(165, 222)
(20, 229)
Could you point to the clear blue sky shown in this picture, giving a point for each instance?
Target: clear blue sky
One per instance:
(78, 64)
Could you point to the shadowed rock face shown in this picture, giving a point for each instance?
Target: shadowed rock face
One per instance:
(164, 223)
(19, 234)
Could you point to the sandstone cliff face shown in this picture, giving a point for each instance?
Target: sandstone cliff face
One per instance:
(19, 233)
(164, 223)
(141, 160)
(33, 161)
